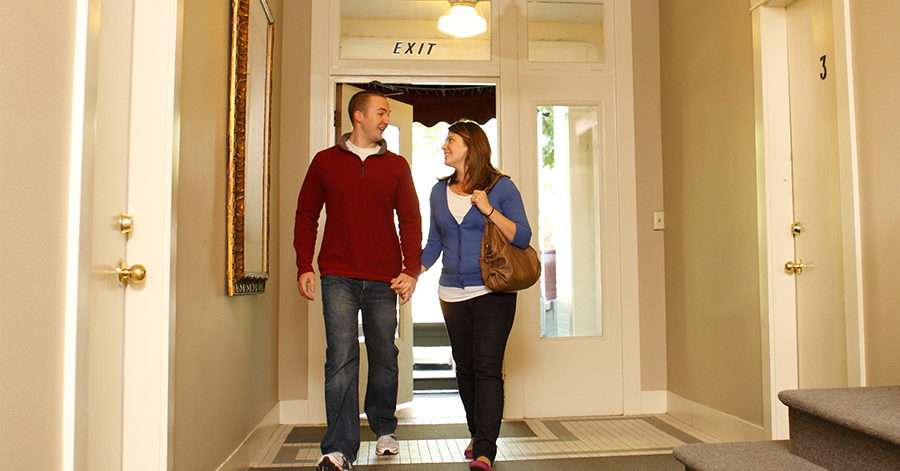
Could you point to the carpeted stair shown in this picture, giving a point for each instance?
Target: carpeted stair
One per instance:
(844, 429)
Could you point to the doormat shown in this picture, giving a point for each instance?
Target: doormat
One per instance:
(508, 429)
(663, 462)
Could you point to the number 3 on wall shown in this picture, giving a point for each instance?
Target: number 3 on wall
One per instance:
(824, 70)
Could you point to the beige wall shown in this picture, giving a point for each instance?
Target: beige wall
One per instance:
(876, 70)
(35, 117)
(293, 368)
(709, 179)
(226, 348)
(649, 169)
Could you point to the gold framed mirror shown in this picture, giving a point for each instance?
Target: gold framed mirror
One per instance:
(249, 136)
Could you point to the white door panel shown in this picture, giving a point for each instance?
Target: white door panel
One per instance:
(821, 326)
(109, 159)
(572, 347)
(812, 333)
(121, 387)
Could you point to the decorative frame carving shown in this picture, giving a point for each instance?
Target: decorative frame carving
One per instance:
(249, 140)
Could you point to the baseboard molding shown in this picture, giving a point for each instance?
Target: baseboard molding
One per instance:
(654, 402)
(716, 423)
(242, 457)
(295, 412)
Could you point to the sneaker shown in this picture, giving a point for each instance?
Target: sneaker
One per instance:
(333, 461)
(387, 445)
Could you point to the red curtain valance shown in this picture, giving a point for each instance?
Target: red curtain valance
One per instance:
(435, 103)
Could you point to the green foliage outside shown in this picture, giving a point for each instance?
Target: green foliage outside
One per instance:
(548, 151)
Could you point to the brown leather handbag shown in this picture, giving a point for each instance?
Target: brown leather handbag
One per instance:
(505, 267)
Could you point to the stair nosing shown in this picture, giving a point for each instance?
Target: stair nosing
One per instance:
(780, 450)
(810, 401)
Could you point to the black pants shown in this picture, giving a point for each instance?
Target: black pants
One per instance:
(479, 329)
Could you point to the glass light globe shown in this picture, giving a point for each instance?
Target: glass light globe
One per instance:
(462, 21)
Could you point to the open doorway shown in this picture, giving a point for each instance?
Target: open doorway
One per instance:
(434, 108)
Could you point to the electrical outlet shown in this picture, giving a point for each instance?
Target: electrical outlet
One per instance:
(659, 220)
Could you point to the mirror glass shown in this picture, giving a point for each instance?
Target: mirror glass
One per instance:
(255, 179)
(252, 44)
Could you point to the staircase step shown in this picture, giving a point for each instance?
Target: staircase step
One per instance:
(742, 456)
(846, 428)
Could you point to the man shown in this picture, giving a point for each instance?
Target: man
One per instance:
(363, 266)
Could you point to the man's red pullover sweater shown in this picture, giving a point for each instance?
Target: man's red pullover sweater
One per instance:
(360, 198)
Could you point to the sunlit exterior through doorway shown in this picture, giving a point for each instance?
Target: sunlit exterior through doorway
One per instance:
(569, 196)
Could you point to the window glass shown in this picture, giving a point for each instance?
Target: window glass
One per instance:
(408, 30)
(566, 32)
(569, 228)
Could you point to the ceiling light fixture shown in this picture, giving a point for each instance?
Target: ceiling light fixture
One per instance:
(462, 21)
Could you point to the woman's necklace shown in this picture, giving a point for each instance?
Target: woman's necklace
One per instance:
(454, 187)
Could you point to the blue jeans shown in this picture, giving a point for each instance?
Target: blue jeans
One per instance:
(342, 299)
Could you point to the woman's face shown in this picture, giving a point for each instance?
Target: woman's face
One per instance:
(455, 150)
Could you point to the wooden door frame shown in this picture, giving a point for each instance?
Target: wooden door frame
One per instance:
(152, 180)
(778, 315)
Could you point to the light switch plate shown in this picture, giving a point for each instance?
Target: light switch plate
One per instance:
(659, 220)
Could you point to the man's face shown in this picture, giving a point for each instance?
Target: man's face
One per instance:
(375, 119)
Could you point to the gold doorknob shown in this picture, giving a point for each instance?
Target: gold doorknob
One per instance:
(797, 228)
(136, 273)
(792, 267)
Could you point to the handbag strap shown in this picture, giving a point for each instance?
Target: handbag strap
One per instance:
(494, 181)
(487, 222)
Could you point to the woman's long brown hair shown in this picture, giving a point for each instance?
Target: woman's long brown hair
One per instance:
(479, 170)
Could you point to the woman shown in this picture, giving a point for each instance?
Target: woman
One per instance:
(478, 320)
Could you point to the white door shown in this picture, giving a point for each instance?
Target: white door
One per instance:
(821, 324)
(572, 347)
(813, 330)
(399, 140)
(118, 378)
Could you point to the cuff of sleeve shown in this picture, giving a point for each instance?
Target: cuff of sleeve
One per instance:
(520, 240)
(412, 272)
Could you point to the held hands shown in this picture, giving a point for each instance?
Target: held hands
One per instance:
(404, 285)
(480, 199)
(307, 284)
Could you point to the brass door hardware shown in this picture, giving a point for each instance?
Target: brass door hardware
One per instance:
(136, 273)
(795, 268)
(796, 229)
(126, 223)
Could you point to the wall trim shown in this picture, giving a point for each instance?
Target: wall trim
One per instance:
(241, 458)
(714, 422)
(295, 411)
(654, 402)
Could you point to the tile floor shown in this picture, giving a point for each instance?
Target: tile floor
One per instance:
(569, 437)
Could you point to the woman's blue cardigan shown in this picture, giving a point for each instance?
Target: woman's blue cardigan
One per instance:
(461, 243)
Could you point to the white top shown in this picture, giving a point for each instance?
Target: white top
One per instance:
(459, 207)
(361, 152)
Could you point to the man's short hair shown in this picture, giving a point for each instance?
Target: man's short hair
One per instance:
(360, 101)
